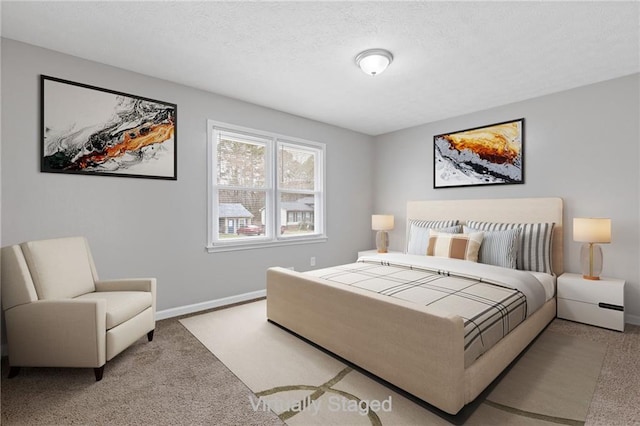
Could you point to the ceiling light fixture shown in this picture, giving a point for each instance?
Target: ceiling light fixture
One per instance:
(374, 61)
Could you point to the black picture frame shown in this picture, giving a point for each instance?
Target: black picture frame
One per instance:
(90, 130)
(486, 155)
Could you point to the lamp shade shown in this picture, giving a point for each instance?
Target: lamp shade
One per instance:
(592, 230)
(382, 222)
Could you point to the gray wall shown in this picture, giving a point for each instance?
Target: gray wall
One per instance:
(581, 145)
(144, 227)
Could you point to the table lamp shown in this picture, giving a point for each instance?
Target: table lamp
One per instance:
(382, 223)
(591, 231)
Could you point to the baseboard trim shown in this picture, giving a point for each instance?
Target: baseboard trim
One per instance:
(203, 306)
(632, 319)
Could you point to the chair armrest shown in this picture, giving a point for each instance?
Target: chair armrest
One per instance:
(57, 333)
(127, 284)
(130, 284)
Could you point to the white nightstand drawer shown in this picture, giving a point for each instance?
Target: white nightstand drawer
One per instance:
(590, 314)
(596, 302)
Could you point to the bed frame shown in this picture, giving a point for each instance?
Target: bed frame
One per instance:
(400, 342)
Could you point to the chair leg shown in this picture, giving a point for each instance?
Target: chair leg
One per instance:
(150, 335)
(13, 372)
(98, 372)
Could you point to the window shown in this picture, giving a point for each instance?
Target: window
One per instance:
(264, 189)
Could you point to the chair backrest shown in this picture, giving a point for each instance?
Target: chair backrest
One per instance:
(59, 268)
(17, 285)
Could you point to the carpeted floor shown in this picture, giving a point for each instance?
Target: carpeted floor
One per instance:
(175, 380)
(616, 400)
(553, 382)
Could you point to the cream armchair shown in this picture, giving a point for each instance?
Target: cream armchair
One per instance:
(59, 314)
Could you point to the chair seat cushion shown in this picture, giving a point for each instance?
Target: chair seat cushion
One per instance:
(121, 305)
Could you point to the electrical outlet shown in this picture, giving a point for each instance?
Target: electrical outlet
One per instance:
(312, 261)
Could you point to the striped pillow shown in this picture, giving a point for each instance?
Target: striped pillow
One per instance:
(455, 246)
(433, 224)
(534, 247)
(418, 238)
(499, 248)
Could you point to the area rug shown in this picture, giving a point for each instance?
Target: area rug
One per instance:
(552, 383)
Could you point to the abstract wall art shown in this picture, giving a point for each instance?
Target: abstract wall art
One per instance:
(95, 131)
(486, 155)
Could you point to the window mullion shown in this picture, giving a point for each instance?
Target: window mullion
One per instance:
(297, 191)
(275, 193)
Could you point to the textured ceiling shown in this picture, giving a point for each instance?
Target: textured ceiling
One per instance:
(450, 58)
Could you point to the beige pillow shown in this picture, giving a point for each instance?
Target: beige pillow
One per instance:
(455, 246)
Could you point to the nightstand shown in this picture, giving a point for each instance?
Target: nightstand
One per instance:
(596, 302)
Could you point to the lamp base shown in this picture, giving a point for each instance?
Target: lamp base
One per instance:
(591, 261)
(382, 241)
(587, 277)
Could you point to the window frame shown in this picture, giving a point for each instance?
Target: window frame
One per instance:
(271, 238)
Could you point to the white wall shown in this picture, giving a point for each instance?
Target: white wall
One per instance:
(581, 145)
(144, 227)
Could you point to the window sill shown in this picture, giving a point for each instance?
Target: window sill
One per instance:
(265, 244)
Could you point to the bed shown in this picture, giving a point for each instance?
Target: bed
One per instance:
(422, 349)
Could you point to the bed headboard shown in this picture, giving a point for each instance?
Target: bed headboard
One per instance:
(518, 210)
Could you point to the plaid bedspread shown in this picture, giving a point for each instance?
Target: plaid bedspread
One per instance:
(489, 310)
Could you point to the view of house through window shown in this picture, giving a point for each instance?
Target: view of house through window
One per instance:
(265, 188)
(296, 186)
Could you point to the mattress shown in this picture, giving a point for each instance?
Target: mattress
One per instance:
(492, 301)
